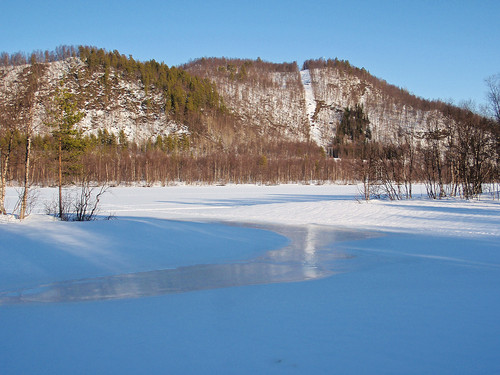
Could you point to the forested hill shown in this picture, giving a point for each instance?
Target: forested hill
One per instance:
(117, 93)
(184, 94)
(309, 102)
(239, 120)
(216, 98)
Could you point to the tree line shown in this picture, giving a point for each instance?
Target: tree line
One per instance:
(39, 56)
(454, 157)
(256, 71)
(451, 159)
(108, 159)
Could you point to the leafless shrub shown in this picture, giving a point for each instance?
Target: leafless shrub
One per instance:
(493, 190)
(87, 205)
(30, 198)
(52, 208)
(79, 205)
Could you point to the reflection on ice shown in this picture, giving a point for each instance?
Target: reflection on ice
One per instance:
(310, 255)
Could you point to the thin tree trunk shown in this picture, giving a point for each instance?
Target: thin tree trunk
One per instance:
(60, 179)
(24, 202)
(29, 104)
(3, 177)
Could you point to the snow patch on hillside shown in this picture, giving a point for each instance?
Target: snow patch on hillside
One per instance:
(305, 77)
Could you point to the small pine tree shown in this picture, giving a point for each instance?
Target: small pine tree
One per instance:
(65, 116)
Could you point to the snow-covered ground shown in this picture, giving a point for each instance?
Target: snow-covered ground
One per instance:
(410, 287)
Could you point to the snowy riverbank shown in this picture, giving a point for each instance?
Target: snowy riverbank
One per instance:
(420, 295)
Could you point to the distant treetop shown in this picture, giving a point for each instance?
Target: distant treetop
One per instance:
(39, 56)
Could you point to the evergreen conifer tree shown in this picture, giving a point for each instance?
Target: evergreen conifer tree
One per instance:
(65, 116)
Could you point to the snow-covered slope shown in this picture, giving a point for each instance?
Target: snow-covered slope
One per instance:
(314, 130)
(263, 96)
(336, 90)
(276, 101)
(310, 103)
(121, 105)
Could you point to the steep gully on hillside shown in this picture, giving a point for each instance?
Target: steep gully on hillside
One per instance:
(305, 77)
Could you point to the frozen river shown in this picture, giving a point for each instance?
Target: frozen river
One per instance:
(414, 291)
(310, 254)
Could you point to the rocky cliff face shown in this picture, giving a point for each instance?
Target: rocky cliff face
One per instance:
(275, 100)
(268, 97)
(308, 104)
(335, 90)
(110, 103)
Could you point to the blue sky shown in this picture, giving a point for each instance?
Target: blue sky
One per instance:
(435, 49)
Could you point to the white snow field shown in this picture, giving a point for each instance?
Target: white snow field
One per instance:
(315, 283)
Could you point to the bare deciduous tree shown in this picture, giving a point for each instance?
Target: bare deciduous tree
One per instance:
(493, 83)
(432, 155)
(87, 204)
(472, 153)
(31, 85)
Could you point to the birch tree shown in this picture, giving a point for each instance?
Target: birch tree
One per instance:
(493, 95)
(32, 76)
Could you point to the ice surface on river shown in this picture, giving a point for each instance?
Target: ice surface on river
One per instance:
(310, 255)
